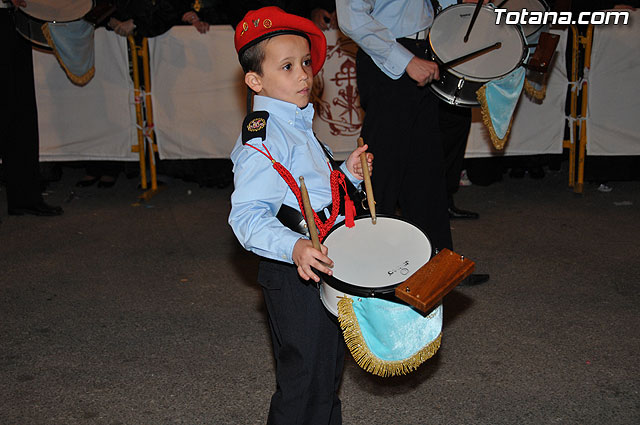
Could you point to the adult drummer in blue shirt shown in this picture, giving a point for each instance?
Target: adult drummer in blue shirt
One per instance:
(401, 123)
(280, 53)
(401, 113)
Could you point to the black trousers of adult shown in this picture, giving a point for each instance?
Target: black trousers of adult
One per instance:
(455, 123)
(308, 348)
(402, 130)
(19, 146)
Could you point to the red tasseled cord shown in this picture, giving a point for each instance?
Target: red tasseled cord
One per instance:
(337, 180)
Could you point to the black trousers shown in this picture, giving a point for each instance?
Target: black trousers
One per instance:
(19, 146)
(402, 130)
(455, 123)
(308, 348)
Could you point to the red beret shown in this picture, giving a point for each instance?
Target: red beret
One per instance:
(258, 25)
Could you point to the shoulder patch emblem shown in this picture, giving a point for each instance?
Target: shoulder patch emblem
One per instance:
(254, 126)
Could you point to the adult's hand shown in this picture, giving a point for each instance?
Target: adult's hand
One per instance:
(125, 28)
(422, 71)
(324, 19)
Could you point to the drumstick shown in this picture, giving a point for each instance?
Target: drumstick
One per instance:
(309, 218)
(472, 55)
(476, 11)
(367, 182)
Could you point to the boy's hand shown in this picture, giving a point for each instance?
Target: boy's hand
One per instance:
(306, 256)
(354, 165)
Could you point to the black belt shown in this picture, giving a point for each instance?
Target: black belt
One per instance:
(294, 220)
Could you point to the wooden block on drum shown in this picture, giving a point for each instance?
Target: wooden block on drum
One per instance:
(431, 282)
(541, 58)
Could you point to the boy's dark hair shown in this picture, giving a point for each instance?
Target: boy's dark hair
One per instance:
(252, 58)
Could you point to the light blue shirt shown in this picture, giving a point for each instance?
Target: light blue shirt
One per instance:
(376, 24)
(260, 190)
(446, 3)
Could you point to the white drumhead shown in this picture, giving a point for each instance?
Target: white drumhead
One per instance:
(531, 6)
(375, 256)
(446, 38)
(57, 10)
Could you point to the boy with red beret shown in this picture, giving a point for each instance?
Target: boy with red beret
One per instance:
(280, 53)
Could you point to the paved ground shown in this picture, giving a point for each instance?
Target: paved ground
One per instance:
(125, 313)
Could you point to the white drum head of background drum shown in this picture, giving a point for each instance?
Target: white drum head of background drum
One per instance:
(446, 39)
(531, 6)
(57, 10)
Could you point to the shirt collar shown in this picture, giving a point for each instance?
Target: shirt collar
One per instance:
(289, 112)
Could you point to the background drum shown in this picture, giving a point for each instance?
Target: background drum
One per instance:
(29, 20)
(371, 260)
(458, 84)
(529, 30)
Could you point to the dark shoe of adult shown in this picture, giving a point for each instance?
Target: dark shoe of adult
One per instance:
(107, 182)
(87, 181)
(517, 173)
(475, 279)
(40, 209)
(456, 213)
(536, 173)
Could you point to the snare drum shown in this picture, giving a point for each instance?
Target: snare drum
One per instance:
(371, 260)
(458, 84)
(529, 30)
(29, 20)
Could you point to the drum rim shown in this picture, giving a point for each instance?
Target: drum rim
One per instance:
(546, 8)
(28, 18)
(21, 9)
(519, 31)
(367, 291)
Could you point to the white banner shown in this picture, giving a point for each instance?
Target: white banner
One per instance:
(96, 121)
(613, 124)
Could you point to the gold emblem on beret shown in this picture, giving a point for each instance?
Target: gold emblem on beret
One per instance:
(245, 27)
(267, 23)
(256, 124)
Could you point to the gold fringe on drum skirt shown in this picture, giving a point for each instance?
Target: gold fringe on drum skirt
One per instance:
(364, 356)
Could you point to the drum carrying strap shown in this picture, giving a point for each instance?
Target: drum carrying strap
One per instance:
(387, 338)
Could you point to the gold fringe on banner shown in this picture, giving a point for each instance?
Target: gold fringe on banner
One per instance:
(364, 356)
(80, 80)
(497, 142)
(533, 92)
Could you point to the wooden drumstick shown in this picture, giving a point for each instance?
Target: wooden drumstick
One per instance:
(309, 218)
(367, 182)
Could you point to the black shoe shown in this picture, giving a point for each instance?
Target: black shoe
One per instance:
(455, 213)
(536, 173)
(87, 181)
(106, 182)
(475, 279)
(40, 209)
(517, 173)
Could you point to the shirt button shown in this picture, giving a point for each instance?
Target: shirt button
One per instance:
(290, 122)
